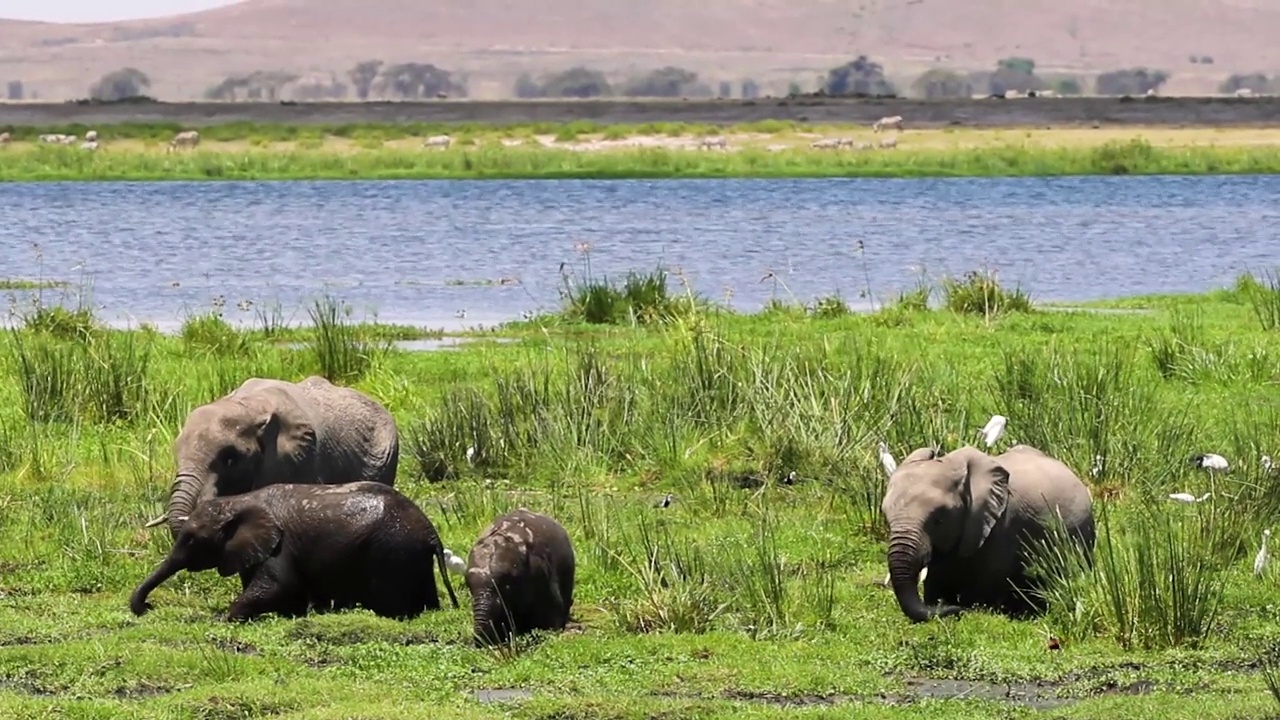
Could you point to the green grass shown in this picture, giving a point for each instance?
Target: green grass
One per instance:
(491, 161)
(755, 589)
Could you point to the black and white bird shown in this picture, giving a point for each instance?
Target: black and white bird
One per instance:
(1210, 461)
(994, 428)
(665, 501)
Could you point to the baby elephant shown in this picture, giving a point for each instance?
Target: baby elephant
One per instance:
(520, 574)
(303, 546)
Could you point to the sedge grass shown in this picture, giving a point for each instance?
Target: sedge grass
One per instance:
(757, 582)
(1133, 157)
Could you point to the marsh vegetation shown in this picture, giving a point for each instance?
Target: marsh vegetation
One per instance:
(755, 591)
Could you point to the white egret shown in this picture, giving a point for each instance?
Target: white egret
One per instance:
(455, 564)
(1266, 463)
(1210, 461)
(471, 455)
(994, 428)
(1188, 497)
(886, 459)
(1260, 562)
(1096, 470)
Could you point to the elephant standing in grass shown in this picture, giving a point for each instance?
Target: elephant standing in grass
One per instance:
(970, 518)
(298, 547)
(520, 574)
(273, 431)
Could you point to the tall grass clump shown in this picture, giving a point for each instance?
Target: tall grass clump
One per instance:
(1157, 582)
(210, 332)
(97, 378)
(979, 293)
(643, 298)
(1264, 298)
(341, 352)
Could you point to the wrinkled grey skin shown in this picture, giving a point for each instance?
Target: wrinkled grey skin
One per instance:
(272, 431)
(968, 517)
(520, 574)
(298, 547)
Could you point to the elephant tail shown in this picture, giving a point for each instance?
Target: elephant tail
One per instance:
(444, 572)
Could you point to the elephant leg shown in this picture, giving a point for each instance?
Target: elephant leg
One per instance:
(275, 588)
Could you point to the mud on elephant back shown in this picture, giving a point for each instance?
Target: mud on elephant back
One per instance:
(302, 547)
(270, 431)
(974, 520)
(520, 574)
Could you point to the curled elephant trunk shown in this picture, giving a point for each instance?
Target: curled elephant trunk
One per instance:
(186, 490)
(907, 555)
(138, 601)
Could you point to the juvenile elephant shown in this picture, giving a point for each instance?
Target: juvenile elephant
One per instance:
(298, 547)
(968, 517)
(273, 431)
(520, 574)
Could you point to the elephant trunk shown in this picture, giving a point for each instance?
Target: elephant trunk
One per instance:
(908, 552)
(188, 486)
(168, 568)
(488, 618)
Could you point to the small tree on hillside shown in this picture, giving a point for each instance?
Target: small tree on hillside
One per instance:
(1256, 82)
(1133, 81)
(1015, 73)
(861, 76)
(577, 82)
(363, 76)
(120, 84)
(669, 81)
(939, 84)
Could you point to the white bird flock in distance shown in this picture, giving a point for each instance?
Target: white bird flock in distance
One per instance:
(994, 428)
(886, 459)
(456, 564)
(1260, 562)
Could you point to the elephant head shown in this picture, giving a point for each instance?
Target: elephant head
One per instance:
(236, 444)
(226, 535)
(493, 577)
(939, 506)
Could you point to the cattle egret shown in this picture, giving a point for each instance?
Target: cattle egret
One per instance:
(886, 459)
(1266, 463)
(1210, 461)
(471, 455)
(1096, 470)
(1188, 497)
(665, 501)
(455, 563)
(1260, 562)
(994, 429)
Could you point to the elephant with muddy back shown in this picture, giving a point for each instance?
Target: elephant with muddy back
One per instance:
(971, 519)
(520, 574)
(270, 431)
(303, 547)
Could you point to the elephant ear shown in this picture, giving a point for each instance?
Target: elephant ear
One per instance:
(986, 486)
(252, 535)
(920, 455)
(287, 438)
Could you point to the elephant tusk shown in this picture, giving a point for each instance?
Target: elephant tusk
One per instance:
(158, 521)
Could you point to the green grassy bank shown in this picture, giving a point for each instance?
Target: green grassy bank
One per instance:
(752, 595)
(924, 154)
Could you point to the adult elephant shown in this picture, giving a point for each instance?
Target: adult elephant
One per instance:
(970, 518)
(269, 431)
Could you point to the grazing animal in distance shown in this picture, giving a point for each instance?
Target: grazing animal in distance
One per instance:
(302, 547)
(714, 142)
(440, 141)
(884, 123)
(5, 138)
(825, 144)
(184, 139)
(521, 575)
(889, 143)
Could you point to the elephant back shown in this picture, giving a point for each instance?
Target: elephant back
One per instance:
(355, 431)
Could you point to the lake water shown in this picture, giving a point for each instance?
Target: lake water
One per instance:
(420, 251)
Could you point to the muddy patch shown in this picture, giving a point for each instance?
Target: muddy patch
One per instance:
(502, 695)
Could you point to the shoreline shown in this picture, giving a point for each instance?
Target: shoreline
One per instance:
(1210, 111)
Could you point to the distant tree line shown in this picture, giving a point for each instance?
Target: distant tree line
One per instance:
(663, 82)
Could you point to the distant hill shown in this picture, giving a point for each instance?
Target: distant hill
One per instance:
(773, 41)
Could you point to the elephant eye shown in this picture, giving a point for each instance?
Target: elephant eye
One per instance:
(230, 457)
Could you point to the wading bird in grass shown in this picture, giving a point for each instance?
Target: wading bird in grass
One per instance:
(455, 563)
(886, 459)
(665, 501)
(994, 428)
(1267, 465)
(461, 314)
(1209, 461)
(1260, 562)
(1188, 497)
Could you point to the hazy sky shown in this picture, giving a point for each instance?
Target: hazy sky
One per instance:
(99, 10)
